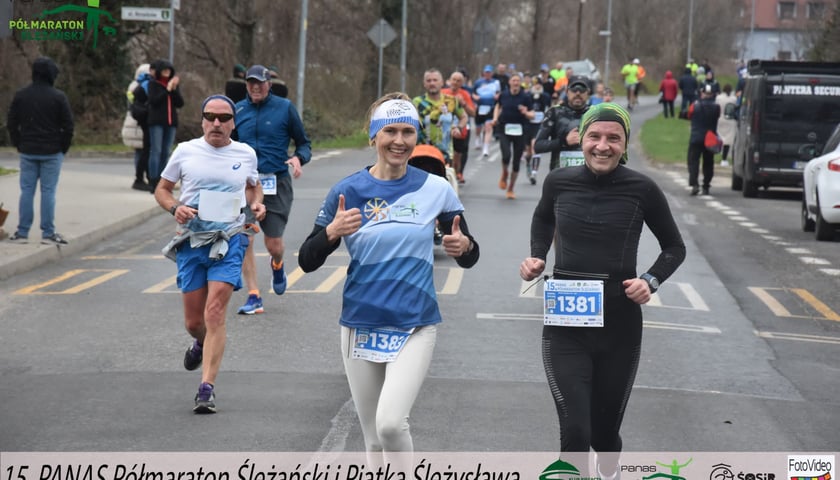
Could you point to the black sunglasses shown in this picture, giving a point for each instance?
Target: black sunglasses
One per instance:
(211, 117)
(578, 89)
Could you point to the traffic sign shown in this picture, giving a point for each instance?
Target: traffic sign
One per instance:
(146, 14)
(381, 34)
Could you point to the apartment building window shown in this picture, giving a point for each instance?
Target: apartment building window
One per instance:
(816, 10)
(786, 10)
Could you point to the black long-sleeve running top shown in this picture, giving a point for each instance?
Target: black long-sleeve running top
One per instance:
(598, 221)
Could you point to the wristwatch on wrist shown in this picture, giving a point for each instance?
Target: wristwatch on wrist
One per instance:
(174, 207)
(653, 282)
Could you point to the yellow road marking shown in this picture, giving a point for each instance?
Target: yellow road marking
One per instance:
(818, 305)
(64, 276)
(34, 289)
(162, 286)
(334, 279)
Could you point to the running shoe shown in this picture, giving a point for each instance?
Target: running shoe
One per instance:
(460, 178)
(278, 278)
(532, 176)
(503, 181)
(17, 238)
(140, 185)
(55, 239)
(193, 356)
(205, 399)
(510, 195)
(253, 305)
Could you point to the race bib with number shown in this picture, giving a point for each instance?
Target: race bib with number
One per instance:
(574, 303)
(269, 183)
(484, 109)
(513, 129)
(216, 206)
(571, 158)
(380, 345)
(538, 117)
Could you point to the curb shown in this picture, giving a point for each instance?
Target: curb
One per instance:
(42, 256)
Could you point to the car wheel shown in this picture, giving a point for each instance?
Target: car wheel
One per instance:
(737, 182)
(807, 224)
(750, 189)
(823, 229)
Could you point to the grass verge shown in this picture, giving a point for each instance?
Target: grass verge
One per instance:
(665, 140)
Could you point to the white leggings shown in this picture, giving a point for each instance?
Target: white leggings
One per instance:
(385, 392)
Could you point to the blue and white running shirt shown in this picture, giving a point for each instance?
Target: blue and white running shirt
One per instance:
(390, 280)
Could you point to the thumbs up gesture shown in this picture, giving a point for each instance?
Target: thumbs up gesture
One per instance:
(456, 243)
(345, 222)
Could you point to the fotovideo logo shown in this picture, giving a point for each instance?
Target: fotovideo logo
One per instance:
(810, 467)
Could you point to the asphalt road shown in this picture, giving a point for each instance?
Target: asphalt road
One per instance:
(740, 349)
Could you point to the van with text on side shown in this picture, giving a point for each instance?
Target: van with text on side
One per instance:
(788, 110)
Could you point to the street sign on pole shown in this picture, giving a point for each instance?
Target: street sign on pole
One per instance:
(146, 14)
(381, 35)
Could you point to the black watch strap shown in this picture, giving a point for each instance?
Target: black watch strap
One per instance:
(653, 282)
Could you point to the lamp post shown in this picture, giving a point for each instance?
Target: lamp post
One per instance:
(690, 26)
(579, 23)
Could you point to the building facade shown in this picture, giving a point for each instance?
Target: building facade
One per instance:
(781, 29)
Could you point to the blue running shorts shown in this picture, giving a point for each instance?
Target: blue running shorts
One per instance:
(196, 268)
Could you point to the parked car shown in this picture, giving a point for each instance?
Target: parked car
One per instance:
(584, 67)
(788, 110)
(821, 190)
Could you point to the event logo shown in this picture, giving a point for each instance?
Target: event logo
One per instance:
(721, 471)
(810, 467)
(50, 24)
(561, 470)
(674, 467)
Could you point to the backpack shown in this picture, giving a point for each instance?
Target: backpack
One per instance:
(139, 108)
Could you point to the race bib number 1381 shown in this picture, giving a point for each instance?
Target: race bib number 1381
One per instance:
(574, 303)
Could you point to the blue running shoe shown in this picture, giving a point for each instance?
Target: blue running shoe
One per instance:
(205, 399)
(193, 356)
(278, 279)
(252, 306)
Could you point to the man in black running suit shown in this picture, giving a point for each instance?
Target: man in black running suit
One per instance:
(596, 212)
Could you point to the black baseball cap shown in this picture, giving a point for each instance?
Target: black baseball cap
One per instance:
(258, 72)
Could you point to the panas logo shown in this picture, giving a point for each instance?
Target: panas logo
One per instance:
(674, 467)
(47, 27)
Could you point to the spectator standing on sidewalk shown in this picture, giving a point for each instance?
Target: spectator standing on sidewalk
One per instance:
(268, 124)
(668, 89)
(704, 115)
(40, 125)
(219, 180)
(135, 130)
(164, 101)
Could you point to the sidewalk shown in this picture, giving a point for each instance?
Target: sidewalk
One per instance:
(94, 201)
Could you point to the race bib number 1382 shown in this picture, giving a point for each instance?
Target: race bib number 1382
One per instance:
(382, 344)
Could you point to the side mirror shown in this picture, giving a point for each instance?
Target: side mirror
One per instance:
(729, 111)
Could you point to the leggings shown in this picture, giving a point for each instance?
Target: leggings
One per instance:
(385, 392)
(518, 144)
(590, 374)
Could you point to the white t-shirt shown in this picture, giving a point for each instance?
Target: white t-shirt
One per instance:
(200, 166)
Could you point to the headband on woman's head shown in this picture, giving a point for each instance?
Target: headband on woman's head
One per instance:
(393, 111)
(607, 112)
(219, 97)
